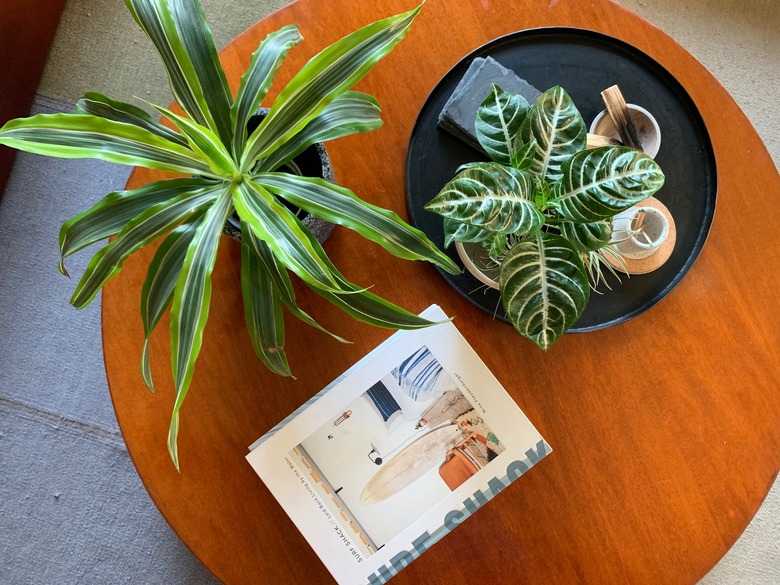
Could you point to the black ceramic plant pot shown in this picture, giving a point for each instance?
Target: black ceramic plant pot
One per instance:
(312, 162)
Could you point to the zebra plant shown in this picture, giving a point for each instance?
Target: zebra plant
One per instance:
(542, 207)
(228, 170)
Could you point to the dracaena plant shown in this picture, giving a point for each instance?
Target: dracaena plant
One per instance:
(542, 207)
(228, 170)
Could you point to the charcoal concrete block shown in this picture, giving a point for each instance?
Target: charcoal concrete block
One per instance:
(458, 115)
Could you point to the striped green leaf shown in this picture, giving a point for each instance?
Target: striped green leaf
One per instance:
(340, 206)
(273, 223)
(109, 215)
(142, 230)
(471, 165)
(364, 306)
(372, 309)
(326, 76)
(559, 130)
(457, 231)
(491, 196)
(282, 282)
(157, 290)
(601, 182)
(191, 299)
(262, 309)
(254, 85)
(199, 46)
(543, 193)
(498, 123)
(97, 104)
(203, 141)
(85, 136)
(523, 157)
(179, 32)
(544, 287)
(496, 246)
(350, 113)
(587, 237)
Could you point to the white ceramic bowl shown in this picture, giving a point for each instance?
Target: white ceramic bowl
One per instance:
(646, 127)
(644, 243)
(476, 261)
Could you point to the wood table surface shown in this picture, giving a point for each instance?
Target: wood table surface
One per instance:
(665, 429)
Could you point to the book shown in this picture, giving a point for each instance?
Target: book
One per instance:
(396, 452)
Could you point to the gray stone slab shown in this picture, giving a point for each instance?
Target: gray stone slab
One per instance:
(459, 113)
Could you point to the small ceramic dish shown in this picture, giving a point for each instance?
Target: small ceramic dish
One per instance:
(646, 127)
(476, 261)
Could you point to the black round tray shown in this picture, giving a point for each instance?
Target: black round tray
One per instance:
(584, 63)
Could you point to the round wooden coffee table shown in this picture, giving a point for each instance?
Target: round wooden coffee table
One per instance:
(665, 429)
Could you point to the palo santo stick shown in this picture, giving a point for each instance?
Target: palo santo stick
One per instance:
(638, 220)
(618, 111)
(596, 140)
(636, 227)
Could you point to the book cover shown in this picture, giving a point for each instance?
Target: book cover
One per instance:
(396, 452)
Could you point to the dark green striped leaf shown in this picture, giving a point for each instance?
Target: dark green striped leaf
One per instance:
(282, 282)
(523, 158)
(365, 306)
(273, 223)
(544, 287)
(109, 215)
(97, 104)
(498, 123)
(203, 141)
(191, 299)
(179, 32)
(84, 136)
(369, 308)
(495, 246)
(491, 196)
(587, 237)
(199, 46)
(350, 113)
(157, 291)
(340, 206)
(557, 126)
(143, 229)
(262, 309)
(265, 62)
(457, 231)
(326, 76)
(601, 182)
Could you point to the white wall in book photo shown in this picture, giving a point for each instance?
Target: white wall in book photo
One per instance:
(381, 460)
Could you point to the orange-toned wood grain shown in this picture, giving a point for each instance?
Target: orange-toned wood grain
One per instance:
(665, 430)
